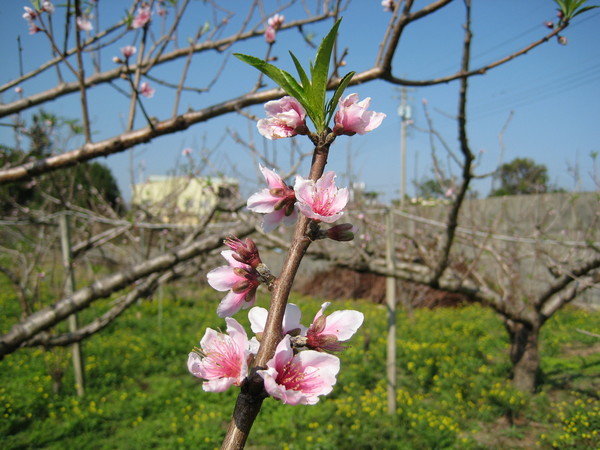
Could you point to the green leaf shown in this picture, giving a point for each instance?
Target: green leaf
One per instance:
(561, 4)
(584, 9)
(320, 70)
(281, 77)
(337, 95)
(301, 95)
(303, 77)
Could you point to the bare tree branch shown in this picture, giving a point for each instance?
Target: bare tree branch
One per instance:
(47, 317)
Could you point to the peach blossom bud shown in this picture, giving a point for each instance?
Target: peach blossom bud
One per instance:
(342, 232)
(48, 7)
(128, 51)
(270, 34)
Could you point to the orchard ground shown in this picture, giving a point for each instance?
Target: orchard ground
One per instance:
(453, 389)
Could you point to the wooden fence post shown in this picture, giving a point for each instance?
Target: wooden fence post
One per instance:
(67, 257)
(390, 297)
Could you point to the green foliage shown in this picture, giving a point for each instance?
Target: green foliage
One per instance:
(522, 176)
(310, 92)
(90, 184)
(452, 370)
(431, 188)
(572, 8)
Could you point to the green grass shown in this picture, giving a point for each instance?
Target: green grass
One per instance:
(452, 389)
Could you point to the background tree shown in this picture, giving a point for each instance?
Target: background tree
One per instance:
(89, 184)
(522, 176)
(434, 188)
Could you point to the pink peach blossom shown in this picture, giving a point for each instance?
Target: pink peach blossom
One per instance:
(388, 5)
(29, 14)
(276, 21)
(325, 333)
(301, 378)
(352, 116)
(84, 24)
(291, 320)
(128, 51)
(142, 17)
(321, 200)
(239, 279)
(277, 201)
(270, 35)
(222, 359)
(48, 7)
(244, 251)
(33, 28)
(146, 90)
(285, 118)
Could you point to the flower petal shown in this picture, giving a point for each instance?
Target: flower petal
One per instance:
(343, 324)
(231, 304)
(222, 278)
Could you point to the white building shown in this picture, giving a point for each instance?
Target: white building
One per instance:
(182, 199)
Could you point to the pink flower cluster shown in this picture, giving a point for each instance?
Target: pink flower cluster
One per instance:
(286, 118)
(142, 16)
(274, 23)
(277, 201)
(353, 117)
(302, 368)
(146, 90)
(239, 277)
(30, 15)
(320, 201)
(128, 51)
(84, 23)
(388, 5)
(299, 372)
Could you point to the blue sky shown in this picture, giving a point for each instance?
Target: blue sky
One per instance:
(553, 92)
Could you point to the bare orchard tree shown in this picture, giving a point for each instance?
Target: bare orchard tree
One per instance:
(525, 257)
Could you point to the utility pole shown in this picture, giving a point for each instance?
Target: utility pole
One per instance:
(390, 299)
(404, 111)
(67, 257)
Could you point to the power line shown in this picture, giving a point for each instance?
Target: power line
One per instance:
(539, 92)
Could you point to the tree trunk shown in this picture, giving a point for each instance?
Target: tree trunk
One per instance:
(524, 354)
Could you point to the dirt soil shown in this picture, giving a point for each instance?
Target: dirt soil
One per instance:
(340, 284)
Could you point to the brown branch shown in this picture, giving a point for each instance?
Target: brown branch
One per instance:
(98, 240)
(562, 283)
(394, 37)
(61, 55)
(479, 71)
(135, 83)
(467, 155)
(143, 290)
(109, 75)
(130, 139)
(184, 72)
(252, 395)
(81, 80)
(166, 38)
(50, 316)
